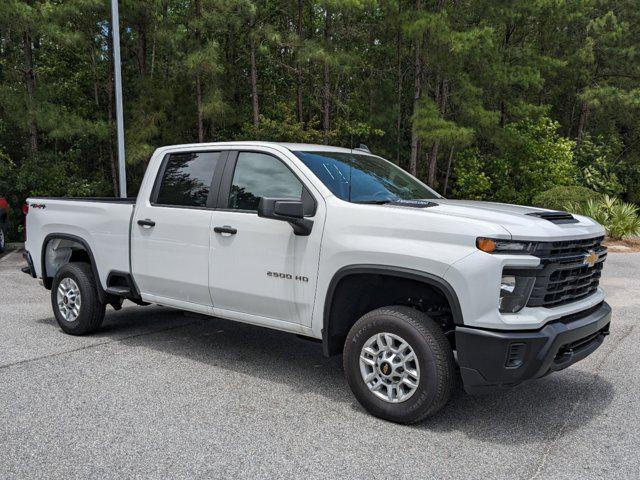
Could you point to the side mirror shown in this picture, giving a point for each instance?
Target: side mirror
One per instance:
(286, 210)
(289, 209)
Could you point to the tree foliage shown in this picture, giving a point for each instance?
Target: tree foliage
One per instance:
(482, 99)
(557, 198)
(534, 158)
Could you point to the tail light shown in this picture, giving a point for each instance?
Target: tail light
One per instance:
(25, 210)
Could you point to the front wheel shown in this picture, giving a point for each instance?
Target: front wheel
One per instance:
(74, 297)
(399, 364)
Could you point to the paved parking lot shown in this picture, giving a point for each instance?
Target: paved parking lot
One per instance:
(158, 393)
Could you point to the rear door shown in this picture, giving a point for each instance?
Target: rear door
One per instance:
(170, 237)
(259, 267)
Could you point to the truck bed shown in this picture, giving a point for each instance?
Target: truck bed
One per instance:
(130, 200)
(102, 223)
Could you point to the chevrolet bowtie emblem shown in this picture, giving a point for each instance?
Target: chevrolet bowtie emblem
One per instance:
(590, 258)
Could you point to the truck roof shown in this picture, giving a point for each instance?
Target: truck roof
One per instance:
(312, 147)
(294, 147)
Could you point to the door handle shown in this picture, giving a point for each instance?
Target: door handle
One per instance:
(146, 223)
(225, 229)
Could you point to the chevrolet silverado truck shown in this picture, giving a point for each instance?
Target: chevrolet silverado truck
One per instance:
(416, 291)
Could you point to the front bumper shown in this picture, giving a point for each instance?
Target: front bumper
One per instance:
(491, 359)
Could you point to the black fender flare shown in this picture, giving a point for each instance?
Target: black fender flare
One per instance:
(401, 272)
(74, 238)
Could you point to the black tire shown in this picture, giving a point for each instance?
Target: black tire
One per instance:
(3, 238)
(91, 311)
(433, 352)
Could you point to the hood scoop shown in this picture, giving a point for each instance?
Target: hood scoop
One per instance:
(555, 217)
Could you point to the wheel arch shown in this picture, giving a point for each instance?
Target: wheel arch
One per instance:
(332, 344)
(48, 279)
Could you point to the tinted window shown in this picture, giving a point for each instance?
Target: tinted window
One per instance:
(260, 175)
(364, 178)
(187, 178)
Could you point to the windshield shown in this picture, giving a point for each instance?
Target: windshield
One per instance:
(362, 178)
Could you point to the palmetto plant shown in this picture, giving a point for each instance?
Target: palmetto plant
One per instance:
(619, 219)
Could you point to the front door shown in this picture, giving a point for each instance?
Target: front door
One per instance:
(259, 267)
(170, 237)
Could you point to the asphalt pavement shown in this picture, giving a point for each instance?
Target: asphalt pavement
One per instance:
(158, 393)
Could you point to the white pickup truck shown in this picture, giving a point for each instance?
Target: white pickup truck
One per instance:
(341, 245)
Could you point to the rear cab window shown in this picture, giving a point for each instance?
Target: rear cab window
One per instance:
(186, 179)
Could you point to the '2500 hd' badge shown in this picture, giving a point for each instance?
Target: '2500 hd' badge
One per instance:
(287, 276)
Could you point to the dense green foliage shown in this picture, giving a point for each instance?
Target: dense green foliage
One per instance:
(557, 198)
(619, 219)
(532, 158)
(482, 99)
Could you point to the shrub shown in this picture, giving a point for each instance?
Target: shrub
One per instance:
(470, 181)
(557, 198)
(631, 179)
(619, 219)
(45, 177)
(534, 157)
(598, 164)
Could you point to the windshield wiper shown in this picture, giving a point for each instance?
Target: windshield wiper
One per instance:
(373, 202)
(418, 203)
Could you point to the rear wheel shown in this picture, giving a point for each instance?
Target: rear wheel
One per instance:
(399, 364)
(3, 238)
(74, 297)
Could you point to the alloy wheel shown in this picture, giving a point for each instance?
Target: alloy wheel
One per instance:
(69, 299)
(389, 367)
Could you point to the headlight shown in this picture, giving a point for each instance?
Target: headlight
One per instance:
(515, 292)
(492, 245)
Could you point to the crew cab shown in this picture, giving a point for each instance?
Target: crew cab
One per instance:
(415, 290)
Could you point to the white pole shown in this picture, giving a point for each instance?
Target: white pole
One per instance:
(115, 32)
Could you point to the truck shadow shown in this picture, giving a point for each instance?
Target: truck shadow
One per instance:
(530, 413)
(538, 410)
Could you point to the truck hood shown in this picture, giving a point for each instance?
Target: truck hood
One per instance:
(518, 221)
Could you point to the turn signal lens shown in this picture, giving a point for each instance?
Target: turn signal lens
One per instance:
(490, 245)
(486, 245)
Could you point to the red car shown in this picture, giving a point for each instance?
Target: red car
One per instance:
(4, 213)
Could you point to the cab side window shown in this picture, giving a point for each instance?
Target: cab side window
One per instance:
(261, 175)
(186, 179)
